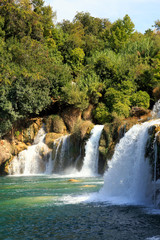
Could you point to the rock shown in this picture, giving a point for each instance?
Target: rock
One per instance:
(24, 131)
(84, 128)
(138, 111)
(51, 137)
(89, 186)
(156, 93)
(71, 116)
(104, 143)
(20, 146)
(111, 135)
(5, 151)
(30, 130)
(73, 180)
(55, 123)
(152, 142)
(87, 113)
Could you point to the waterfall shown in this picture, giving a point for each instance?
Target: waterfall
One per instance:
(32, 160)
(155, 168)
(90, 162)
(156, 110)
(63, 158)
(128, 178)
(39, 159)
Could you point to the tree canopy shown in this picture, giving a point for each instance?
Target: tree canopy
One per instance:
(88, 60)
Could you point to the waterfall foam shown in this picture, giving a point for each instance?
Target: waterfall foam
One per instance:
(32, 160)
(156, 110)
(128, 178)
(90, 162)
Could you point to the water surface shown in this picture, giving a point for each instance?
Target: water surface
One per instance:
(46, 207)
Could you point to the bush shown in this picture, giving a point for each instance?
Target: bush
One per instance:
(101, 113)
(121, 109)
(140, 99)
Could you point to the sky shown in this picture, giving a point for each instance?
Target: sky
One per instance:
(143, 13)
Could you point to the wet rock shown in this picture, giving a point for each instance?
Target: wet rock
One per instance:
(152, 147)
(73, 180)
(20, 146)
(51, 137)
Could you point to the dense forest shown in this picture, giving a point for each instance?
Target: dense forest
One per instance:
(88, 60)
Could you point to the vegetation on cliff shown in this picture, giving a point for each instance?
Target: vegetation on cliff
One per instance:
(89, 61)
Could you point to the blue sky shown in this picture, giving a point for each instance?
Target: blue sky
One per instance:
(143, 13)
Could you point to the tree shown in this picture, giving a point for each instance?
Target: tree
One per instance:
(121, 32)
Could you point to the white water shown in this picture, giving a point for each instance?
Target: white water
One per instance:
(32, 160)
(128, 178)
(90, 162)
(62, 158)
(156, 110)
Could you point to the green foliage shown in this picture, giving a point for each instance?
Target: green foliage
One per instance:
(121, 109)
(101, 113)
(17, 133)
(87, 61)
(90, 83)
(121, 31)
(140, 99)
(117, 101)
(73, 95)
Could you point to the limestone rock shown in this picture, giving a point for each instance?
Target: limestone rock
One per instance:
(5, 151)
(87, 113)
(51, 137)
(139, 111)
(156, 93)
(20, 146)
(55, 123)
(71, 116)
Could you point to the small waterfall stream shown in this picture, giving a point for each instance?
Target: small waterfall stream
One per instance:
(32, 160)
(90, 162)
(39, 159)
(156, 110)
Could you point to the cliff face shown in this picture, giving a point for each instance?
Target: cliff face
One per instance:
(152, 150)
(78, 131)
(23, 134)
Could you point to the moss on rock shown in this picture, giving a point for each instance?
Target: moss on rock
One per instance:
(51, 137)
(71, 116)
(55, 123)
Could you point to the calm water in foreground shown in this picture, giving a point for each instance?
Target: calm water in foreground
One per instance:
(44, 207)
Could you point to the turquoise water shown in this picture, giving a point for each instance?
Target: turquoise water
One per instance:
(45, 207)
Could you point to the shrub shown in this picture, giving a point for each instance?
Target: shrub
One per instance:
(101, 113)
(140, 99)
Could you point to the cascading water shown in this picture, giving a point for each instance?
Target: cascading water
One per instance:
(128, 178)
(32, 160)
(156, 110)
(37, 159)
(90, 162)
(63, 158)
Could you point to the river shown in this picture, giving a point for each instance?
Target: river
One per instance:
(53, 207)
